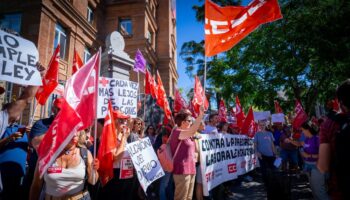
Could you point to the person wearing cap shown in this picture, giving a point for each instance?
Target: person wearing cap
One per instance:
(119, 186)
(36, 134)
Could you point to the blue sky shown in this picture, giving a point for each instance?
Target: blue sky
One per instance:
(187, 29)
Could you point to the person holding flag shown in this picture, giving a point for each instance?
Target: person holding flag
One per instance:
(67, 177)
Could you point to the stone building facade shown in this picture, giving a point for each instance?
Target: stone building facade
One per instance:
(82, 25)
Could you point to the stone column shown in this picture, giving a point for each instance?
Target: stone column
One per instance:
(115, 62)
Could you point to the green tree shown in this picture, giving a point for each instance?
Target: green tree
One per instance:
(306, 54)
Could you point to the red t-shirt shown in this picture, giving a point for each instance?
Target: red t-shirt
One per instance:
(184, 160)
(328, 131)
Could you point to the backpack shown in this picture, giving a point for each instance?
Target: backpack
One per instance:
(165, 156)
(342, 158)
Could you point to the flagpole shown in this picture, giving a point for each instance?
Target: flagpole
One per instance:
(31, 119)
(205, 77)
(96, 104)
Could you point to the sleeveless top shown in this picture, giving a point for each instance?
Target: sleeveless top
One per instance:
(70, 181)
(184, 161)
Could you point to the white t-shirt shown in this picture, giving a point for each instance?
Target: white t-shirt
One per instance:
(4, 122)
(210, 130)
(67, 181)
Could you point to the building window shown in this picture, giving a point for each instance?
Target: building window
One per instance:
(125, 26)
(149, 37)
(61, 38)
(11, 22)
(87, 54)
(90, 15)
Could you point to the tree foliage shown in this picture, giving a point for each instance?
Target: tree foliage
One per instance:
(306, 54)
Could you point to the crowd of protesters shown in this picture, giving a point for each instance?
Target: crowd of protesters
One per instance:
(310, 149)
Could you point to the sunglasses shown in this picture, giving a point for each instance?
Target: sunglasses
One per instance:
(188, 120)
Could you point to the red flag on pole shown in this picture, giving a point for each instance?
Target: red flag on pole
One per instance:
(77, 63)
(278, 108)
(222, 111)
(108, 144)
(239, 113)
(162, 100)
(300, 115)
(150, 85)
(50, 80)
(179, 102)
(77, 113)
(198, 95)
(226, 26)
(249, 127)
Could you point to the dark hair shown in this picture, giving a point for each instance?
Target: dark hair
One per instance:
(180, 117)
(308, 125)
(211, 116)
(148, 127)
(343, 93)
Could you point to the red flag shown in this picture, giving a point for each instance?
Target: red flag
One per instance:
(226, 26)
(150, 85)
(147, 82)
(278, 108)
(50, 80)
(222, 111)
(77, 63)
(108, 144)
(239, 113)
(162, 101)
(77, 113)
(198, 95)
(179, 102)
(336, 105)
(249, 127)
(300, 115)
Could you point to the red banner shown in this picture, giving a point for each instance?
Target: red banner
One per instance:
(198, 96)
(226, 26)
(222, 111)
(50, 80)
(239, 113)
(108, 144)
(77, 63)
(278, 108)
(249, 127)
(179, 102)
(300, 115)
(77, 113)
(162, 100)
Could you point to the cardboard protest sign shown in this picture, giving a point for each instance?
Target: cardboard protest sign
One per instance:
(262, 116)
(224, 157)
(122, 93)
(278, 117)
(18, 58)
(146, 163)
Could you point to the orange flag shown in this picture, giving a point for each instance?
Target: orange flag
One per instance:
(107, 147)
(226, 26)
(50, 80)
(77, 63)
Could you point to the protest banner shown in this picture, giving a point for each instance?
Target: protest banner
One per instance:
(122, 93)
(262, 115)
(18, 58)
(145, 160)
(224, 157)
(278, 117)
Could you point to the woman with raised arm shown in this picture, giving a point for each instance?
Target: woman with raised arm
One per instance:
(182, 146)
